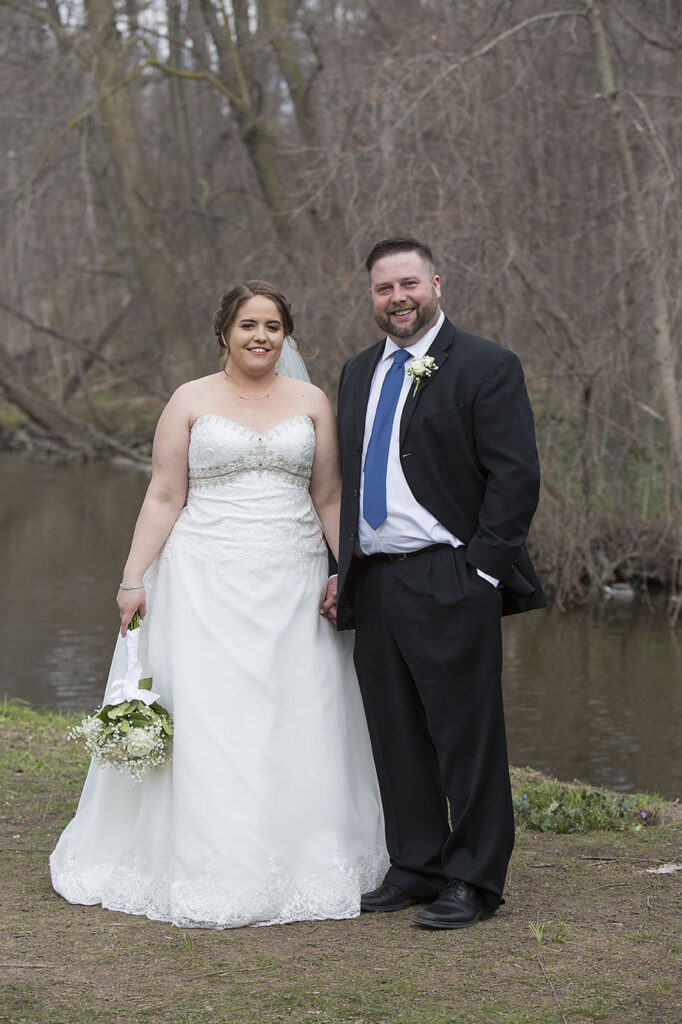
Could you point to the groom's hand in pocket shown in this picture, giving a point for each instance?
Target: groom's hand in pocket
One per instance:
(328, 606)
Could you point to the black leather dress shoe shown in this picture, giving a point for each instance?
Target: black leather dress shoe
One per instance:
(459, 905)
(386, 897)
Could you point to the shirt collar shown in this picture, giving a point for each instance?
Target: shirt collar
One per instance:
(419, 348)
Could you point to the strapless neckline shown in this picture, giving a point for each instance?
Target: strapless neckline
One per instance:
(250, 430)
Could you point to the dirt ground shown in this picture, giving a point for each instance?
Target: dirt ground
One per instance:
(587, 934)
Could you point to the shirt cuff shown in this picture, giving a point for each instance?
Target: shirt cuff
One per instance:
(490, 579)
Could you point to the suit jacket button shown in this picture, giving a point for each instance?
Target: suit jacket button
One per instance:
(352, 536)
(358, 447)
(356, 493)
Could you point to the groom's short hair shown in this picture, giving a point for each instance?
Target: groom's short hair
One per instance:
(391, 246)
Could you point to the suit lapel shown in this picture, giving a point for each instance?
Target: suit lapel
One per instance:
(365, 372)
(440, 350)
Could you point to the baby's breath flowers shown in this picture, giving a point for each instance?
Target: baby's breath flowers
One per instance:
(133, 732)
(420, 368)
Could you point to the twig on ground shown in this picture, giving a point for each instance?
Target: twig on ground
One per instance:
(47, 806)
(32, 967)
(233, 970)
(549, 982)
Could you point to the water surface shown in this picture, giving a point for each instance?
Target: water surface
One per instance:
(595, 695)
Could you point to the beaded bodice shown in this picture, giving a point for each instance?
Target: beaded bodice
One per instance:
(221, 448)
(248, 494)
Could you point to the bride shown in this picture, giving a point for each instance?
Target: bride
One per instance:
(269, 811)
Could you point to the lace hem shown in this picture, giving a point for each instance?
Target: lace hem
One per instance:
(208, 901)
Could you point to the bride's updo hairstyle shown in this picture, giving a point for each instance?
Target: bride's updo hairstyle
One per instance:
(232, 302)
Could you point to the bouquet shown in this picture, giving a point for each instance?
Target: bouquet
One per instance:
(133, 732)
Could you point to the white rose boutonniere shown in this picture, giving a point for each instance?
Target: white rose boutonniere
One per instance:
(420, 368)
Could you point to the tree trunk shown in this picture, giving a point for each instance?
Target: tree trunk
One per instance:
(666, 356)
(73, 433)
(172, 330)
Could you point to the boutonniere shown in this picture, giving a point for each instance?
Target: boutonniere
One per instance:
(420, 368)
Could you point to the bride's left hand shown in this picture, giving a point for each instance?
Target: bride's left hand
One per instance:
(328, 606)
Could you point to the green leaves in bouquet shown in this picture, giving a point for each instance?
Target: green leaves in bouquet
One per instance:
(166, 724)
(109, 714)
(135, 713)
(117, 710)
(135, 621)
(163, 717)
(137, 718)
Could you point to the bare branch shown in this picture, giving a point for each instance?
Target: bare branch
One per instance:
(152, 62)
(90, 350)
(638, 30)
(59, 31)
(456, 65)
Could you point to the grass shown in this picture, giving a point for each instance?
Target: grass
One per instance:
(548, 805)
(586, 933)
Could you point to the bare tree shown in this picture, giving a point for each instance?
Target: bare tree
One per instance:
(167, 149)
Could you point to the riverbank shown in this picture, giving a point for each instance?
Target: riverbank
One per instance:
(617, 526)
(589, 932)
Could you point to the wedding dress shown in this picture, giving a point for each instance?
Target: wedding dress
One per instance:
(269, 811)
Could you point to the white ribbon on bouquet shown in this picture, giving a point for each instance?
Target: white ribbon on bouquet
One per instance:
(127, 688)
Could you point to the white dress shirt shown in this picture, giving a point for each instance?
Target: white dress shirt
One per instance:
(408, 525)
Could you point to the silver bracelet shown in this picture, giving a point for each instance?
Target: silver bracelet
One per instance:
(138, 586)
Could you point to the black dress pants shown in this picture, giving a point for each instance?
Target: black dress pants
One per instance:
(428, 653)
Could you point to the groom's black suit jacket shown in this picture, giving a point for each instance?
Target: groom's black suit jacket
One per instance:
(467, 448)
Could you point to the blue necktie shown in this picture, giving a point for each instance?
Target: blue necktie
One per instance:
(376, 460)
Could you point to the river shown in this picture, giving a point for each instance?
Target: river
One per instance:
(592, 694)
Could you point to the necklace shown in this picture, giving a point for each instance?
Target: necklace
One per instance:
(247, 398)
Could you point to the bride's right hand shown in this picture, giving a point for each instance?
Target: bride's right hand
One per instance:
(129, 602)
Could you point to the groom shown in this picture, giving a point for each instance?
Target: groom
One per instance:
(440, 483)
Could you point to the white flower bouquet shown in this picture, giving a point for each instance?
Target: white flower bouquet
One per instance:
(132, 732)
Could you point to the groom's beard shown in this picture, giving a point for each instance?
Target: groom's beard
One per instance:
(424, 314)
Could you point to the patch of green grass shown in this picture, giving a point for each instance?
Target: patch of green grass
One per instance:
(599, 1005)
(538, 929)
(547, 805)
(19, 714)
(10, 416)
(40, 771)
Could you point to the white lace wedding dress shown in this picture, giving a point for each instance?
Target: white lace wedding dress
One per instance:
(270, 809)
